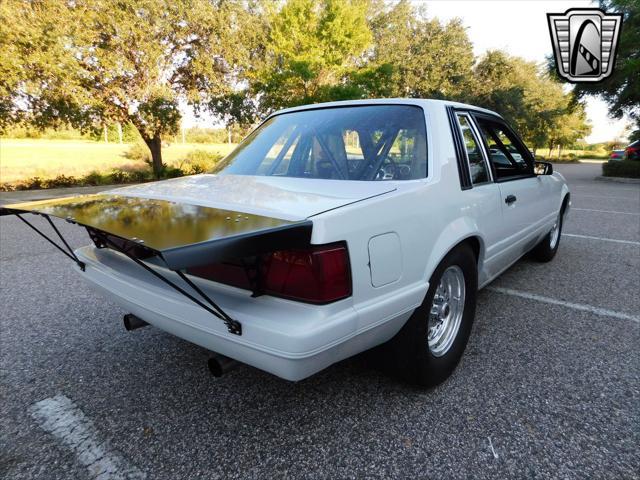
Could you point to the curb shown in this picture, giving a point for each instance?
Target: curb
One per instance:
(600, 178)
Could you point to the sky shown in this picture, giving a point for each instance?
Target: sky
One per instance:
(516, 26)
(520, 28)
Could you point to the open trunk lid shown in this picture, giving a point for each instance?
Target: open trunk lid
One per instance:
(183, 235)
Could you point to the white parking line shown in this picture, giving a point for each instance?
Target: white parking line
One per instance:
(63, 419)
(604, 239)
(603, 211)
(576, 306)
(603, 196)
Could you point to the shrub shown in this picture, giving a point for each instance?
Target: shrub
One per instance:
(139, 152)
(137, 176)
(33, 183)
(621, 168)
(206, 135)
(93, 178)
(118, 176)
(199, 161)
(60, 181)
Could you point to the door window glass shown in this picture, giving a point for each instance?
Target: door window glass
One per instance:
(505, 153)
(477, 166)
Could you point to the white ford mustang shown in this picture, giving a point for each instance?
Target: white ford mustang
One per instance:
(333, 229)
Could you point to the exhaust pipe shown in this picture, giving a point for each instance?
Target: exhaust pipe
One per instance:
(219, 365)
(131, 322)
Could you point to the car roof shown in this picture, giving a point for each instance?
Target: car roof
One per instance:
(422, 102)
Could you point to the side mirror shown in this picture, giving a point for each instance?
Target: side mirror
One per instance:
(543, 168)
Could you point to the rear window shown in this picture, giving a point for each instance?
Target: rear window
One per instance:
(373, 142)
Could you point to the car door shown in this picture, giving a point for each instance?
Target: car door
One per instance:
(483, 197)
(524, 196)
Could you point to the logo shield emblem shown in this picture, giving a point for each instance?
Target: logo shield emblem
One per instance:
(584, 43)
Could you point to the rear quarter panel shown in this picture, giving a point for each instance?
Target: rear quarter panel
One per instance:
(429, 216)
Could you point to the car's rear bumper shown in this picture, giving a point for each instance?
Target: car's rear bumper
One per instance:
(289, 339)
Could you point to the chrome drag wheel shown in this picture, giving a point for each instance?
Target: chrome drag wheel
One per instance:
(445, 314)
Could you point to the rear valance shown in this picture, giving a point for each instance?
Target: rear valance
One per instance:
(184, 235)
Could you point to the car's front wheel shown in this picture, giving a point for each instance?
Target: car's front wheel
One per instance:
(548, 246)
(429, 346)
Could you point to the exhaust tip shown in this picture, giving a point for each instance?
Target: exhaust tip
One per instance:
(219, 365)
(131, 322)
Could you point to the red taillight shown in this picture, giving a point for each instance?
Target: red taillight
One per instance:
(318, 274)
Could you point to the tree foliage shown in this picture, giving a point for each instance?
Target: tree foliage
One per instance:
(526, 97)
(417, 56)
(89, 62)
(622, 89)
(311, 47)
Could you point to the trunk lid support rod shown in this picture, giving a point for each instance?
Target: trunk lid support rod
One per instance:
(233, 326)
(69, 252)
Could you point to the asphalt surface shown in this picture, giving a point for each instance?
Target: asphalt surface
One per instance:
(545, 390)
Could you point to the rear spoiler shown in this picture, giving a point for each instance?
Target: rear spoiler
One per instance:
(181, 235)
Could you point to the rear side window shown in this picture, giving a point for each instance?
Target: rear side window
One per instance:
(477, 166)
(506, 154)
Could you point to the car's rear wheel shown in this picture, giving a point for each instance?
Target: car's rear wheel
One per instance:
(548, 246)
(429, 346)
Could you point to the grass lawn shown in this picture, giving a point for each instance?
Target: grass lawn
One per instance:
(542, 154)
(23, 159)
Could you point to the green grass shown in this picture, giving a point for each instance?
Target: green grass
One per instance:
(542, 154)
(24, 159)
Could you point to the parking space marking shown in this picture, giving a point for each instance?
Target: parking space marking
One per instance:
(602, 196)
(603, 211)
(60, 417)
(576, 306)
(604, 239)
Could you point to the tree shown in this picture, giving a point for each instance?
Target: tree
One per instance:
(87, 63)
(622, 89)
(569, 127)
(310, 48)
(529, 99)
(418, 57)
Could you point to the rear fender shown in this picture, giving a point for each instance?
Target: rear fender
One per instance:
(452, 235)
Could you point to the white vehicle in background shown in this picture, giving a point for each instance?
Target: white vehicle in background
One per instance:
(334, 229)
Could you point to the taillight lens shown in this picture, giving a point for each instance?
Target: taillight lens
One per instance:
(318, 274)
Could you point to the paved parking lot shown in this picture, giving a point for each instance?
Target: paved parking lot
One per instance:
(549, 386)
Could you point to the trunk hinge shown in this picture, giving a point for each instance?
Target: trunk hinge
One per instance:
(68, 252)
(233, 326)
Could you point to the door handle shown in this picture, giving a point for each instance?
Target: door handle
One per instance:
(510, 199)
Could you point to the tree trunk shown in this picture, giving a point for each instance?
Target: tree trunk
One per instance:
(106, 134)
(155, 147)
(119, 132)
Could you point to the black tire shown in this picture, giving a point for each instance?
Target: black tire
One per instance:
(408, 354)
(547, 248)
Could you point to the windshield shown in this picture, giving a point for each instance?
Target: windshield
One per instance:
(381, 142)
